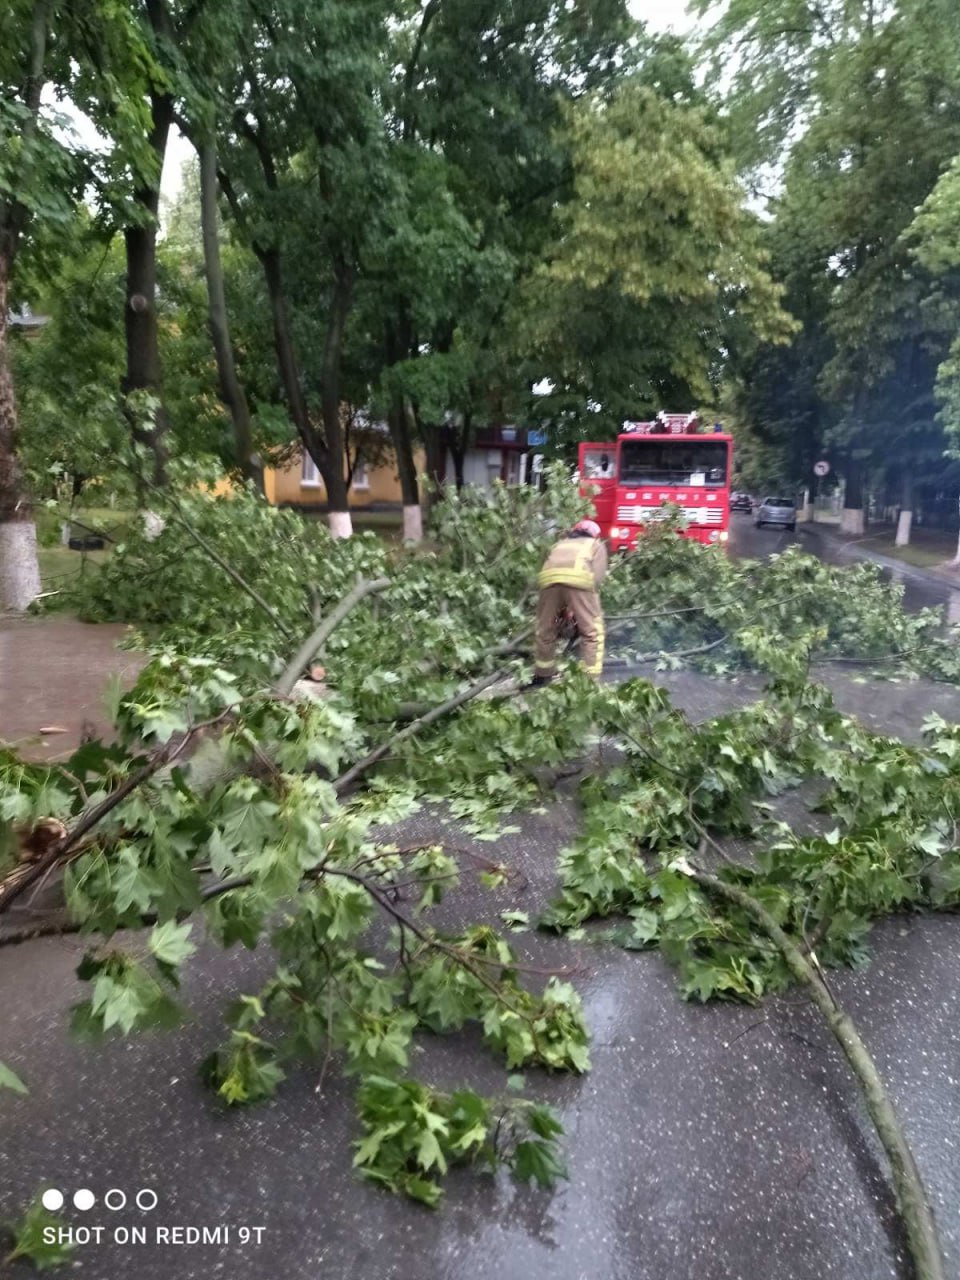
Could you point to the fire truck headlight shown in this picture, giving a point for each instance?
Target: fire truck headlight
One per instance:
(724, 535)
(714, 535)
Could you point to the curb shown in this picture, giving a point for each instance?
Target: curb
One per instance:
(859, 552)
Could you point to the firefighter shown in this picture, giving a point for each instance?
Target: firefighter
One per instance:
(570, 580)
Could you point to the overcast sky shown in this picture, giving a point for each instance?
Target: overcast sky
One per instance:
(660, 15)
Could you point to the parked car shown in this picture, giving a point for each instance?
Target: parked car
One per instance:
(741, 502)
(781, 511)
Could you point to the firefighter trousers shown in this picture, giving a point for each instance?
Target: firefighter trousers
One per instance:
(588, 615)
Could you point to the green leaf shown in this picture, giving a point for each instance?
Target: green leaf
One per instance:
(538, 1162)
(29, 1239)
(10, 1080)
(170, 943)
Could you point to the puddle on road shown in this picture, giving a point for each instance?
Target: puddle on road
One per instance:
(54, 672)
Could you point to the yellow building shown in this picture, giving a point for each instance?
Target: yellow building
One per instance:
(300, 484)
(497, 454)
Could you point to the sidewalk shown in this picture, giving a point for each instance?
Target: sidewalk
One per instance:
(934, 571)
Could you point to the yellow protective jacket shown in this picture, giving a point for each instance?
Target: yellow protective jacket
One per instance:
(575, 562)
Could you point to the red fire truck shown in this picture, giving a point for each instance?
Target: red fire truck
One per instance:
(672, 461)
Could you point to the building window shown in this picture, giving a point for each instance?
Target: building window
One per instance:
(361, 477)
(310, 476)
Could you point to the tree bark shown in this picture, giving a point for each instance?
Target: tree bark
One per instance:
(398, 341)
(329, 464)
(19, 569)
(334, 473)
(149, 429)
(912, 1202)
(905, 516)
(435, 448)
(851, 517)
(231, 390)
(458, 439)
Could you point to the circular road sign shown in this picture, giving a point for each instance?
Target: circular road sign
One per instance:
(821, 468)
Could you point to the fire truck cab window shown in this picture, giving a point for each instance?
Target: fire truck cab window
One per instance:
(597, 465)
(675, 462)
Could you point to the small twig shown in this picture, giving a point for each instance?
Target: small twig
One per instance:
(761, 1022)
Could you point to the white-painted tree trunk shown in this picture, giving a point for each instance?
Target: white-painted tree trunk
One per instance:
(19, 570)
(956, 559)
(153, 525)
(851, 521)
(412, 523)
(340, 524)
(904, 521)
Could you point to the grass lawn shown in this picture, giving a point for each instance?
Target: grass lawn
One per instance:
(923, 556)
(58, 564)
(927, 548)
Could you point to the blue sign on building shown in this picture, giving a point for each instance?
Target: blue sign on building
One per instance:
(536, 437)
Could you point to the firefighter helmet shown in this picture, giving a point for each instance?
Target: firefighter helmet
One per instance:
(589, 527)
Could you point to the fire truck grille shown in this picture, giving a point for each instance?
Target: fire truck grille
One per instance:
(694, 515)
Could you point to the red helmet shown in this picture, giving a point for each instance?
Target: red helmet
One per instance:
(589, 527)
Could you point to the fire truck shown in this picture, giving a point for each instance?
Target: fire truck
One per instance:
(673, 461)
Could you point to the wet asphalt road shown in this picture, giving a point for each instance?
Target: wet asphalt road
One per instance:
(708, 1143)
(919, 591)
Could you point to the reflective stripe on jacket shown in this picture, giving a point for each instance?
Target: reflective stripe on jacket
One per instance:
(575, 562)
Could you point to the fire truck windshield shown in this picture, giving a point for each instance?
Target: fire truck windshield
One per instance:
(674, 462)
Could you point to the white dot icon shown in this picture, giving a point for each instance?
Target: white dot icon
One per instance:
(84, 1199)
(115, 1199)
(147, 1199)
(52, 1199)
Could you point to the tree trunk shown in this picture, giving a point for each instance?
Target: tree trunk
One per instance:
(334, 473)
(149, 425)
(283, 346)
(19, 571)
(435, 447)
(231, 390)
(851, 517)
(315, 445)
(458, 442)
(399, 415)
(905, 518)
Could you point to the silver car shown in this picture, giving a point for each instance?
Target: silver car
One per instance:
(781, 511)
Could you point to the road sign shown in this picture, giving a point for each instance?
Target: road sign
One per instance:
(536, 464)
(536, 437)
(821, 468)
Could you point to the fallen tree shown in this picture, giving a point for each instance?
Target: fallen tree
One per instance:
(231, 803)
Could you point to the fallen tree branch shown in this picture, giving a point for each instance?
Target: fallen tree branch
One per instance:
(175, 514)
(911, 1197)
(436, 713)
(14, 887)
(655, 655)
(655, 613)
(45, 929)
(231, 573)
(311, 646)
